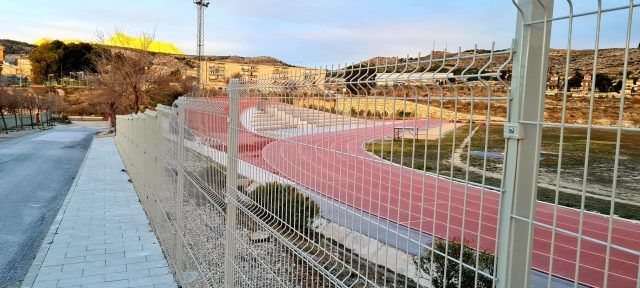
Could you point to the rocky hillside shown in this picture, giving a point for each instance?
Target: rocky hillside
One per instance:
(15, 47)
(259, 60)
(610, 62)
(177, 61)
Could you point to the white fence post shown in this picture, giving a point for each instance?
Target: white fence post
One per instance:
(521, 161)
(232, 181)
(182, 111)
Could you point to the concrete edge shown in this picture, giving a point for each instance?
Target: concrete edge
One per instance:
(30, 278)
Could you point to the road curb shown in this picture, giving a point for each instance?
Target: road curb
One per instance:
(30, 278)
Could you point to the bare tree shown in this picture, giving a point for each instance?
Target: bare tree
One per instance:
(59, 107)
(3, 106)
(46, 104)
(30, 102)
(53, 104)
(108, 92)
(127, 80)
(13, 104)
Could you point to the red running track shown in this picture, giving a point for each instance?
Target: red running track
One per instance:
(210, 120)
(336, 164)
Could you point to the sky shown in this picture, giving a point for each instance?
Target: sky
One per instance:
(306, 32)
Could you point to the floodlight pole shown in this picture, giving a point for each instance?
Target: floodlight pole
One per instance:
(201, 5)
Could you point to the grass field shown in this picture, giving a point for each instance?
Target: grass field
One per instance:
(454, 147)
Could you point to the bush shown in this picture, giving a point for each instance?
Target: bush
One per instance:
(215, 176)
(354, 112)
(286, 204)
(485, 264)
(402, 113)
(576, 80)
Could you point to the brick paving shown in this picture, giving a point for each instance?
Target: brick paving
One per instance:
(101, 236)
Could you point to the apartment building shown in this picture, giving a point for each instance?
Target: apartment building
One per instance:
(16, 65)
(216, 74)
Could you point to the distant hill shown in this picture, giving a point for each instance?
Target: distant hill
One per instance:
(610, 61)
(132, 43)
(15, 47)
(126, 41)
(258, 60)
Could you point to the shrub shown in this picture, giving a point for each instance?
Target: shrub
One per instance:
(215, 176)
(354, 112)
(453, 275)
(286, 204)
(402, 113)
(383, 114)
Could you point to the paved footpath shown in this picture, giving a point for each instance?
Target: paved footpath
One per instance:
(101, 236)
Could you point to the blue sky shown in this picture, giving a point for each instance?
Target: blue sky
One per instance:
(303, 32)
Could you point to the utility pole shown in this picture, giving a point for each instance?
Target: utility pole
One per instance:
(201, 5)
(21, 97)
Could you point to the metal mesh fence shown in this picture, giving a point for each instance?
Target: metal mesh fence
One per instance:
(454, 169)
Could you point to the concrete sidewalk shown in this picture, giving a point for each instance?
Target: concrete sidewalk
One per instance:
(101, 236)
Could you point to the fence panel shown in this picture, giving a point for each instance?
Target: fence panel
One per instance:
(585, 230)
(454, 169)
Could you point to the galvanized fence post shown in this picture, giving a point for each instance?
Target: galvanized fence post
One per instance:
(180, 189)
(517, 207)
(232, 180)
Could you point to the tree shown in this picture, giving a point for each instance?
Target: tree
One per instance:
(453, 249)
(77, 57)
(285, 205)
(108, 92)
(53, 104)
(3, 106)
(576, 80)
(13, 104)
(30, 102)
(127, 80)
(58, 58)
(603, 82)
(45, 60)
(618, 86)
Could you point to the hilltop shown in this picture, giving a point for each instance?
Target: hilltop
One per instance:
(610, 62)
(16, 47)
(121, 40)
(258, 60)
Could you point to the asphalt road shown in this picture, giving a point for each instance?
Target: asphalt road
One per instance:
(36, 172)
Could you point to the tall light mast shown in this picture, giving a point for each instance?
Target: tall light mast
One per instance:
(201, 5)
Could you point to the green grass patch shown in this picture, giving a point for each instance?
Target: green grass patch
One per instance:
(435, 156)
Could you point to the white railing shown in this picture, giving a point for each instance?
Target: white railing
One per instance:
(312, 180)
